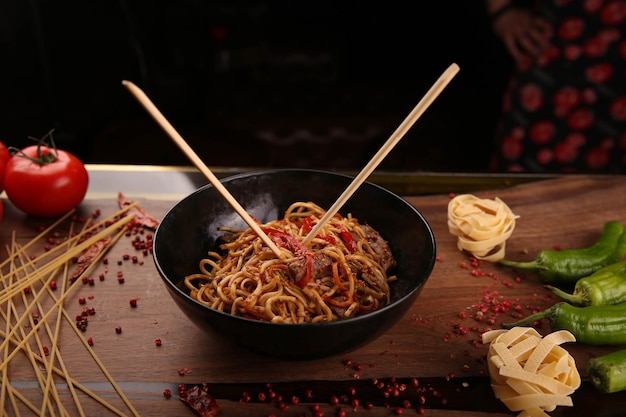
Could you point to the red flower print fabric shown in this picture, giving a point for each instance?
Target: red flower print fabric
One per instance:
(566, 110)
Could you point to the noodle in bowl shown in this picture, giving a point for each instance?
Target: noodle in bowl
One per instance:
(350, 284)
(341, 274)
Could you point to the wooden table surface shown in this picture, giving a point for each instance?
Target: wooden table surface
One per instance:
(436, 343)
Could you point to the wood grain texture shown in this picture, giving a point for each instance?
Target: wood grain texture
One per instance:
(438, 337)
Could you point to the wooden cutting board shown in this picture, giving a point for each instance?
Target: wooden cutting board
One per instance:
(437, 342)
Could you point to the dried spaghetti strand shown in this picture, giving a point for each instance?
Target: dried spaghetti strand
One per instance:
(43, 276)
(54, 341)
(59, 253)
(37, 238)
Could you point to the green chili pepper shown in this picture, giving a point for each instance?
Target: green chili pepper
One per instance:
(569, 265)
(593, 325)
(608, 372)
(605, 286)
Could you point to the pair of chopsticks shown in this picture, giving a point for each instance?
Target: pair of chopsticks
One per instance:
(398, 134)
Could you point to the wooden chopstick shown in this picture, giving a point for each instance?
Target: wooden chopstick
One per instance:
(191, 154)
(420, 108)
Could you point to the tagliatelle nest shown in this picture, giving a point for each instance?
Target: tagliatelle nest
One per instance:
(529, 373)
(482, 226)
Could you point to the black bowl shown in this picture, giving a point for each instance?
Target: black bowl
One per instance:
(190, 228)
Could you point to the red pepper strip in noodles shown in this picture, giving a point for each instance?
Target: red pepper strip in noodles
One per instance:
(309, 271)
(285, 240)
(347, 239)
(337, 278)
(337, 303)
(329, 239)
(306, 224)
(348, 294)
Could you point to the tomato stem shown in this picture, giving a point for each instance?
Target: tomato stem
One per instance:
(46, 150)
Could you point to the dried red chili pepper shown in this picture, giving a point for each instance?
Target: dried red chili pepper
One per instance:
(89, 256)
(141, 216)
(198, 398)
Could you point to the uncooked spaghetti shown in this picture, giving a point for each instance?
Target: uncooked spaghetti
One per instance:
(342, 272)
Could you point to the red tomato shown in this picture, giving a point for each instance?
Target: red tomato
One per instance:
(45, 182)
(2, 169)
(5, 155)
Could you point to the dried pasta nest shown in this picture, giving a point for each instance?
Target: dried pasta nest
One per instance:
(529, 373)
(481, 225)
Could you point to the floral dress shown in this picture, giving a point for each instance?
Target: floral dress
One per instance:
(565, 111)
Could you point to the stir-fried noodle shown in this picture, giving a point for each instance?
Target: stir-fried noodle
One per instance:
(341, 273)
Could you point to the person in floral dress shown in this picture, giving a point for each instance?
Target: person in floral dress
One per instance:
(564, 110)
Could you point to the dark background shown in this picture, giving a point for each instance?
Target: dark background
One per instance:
(317, 84)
